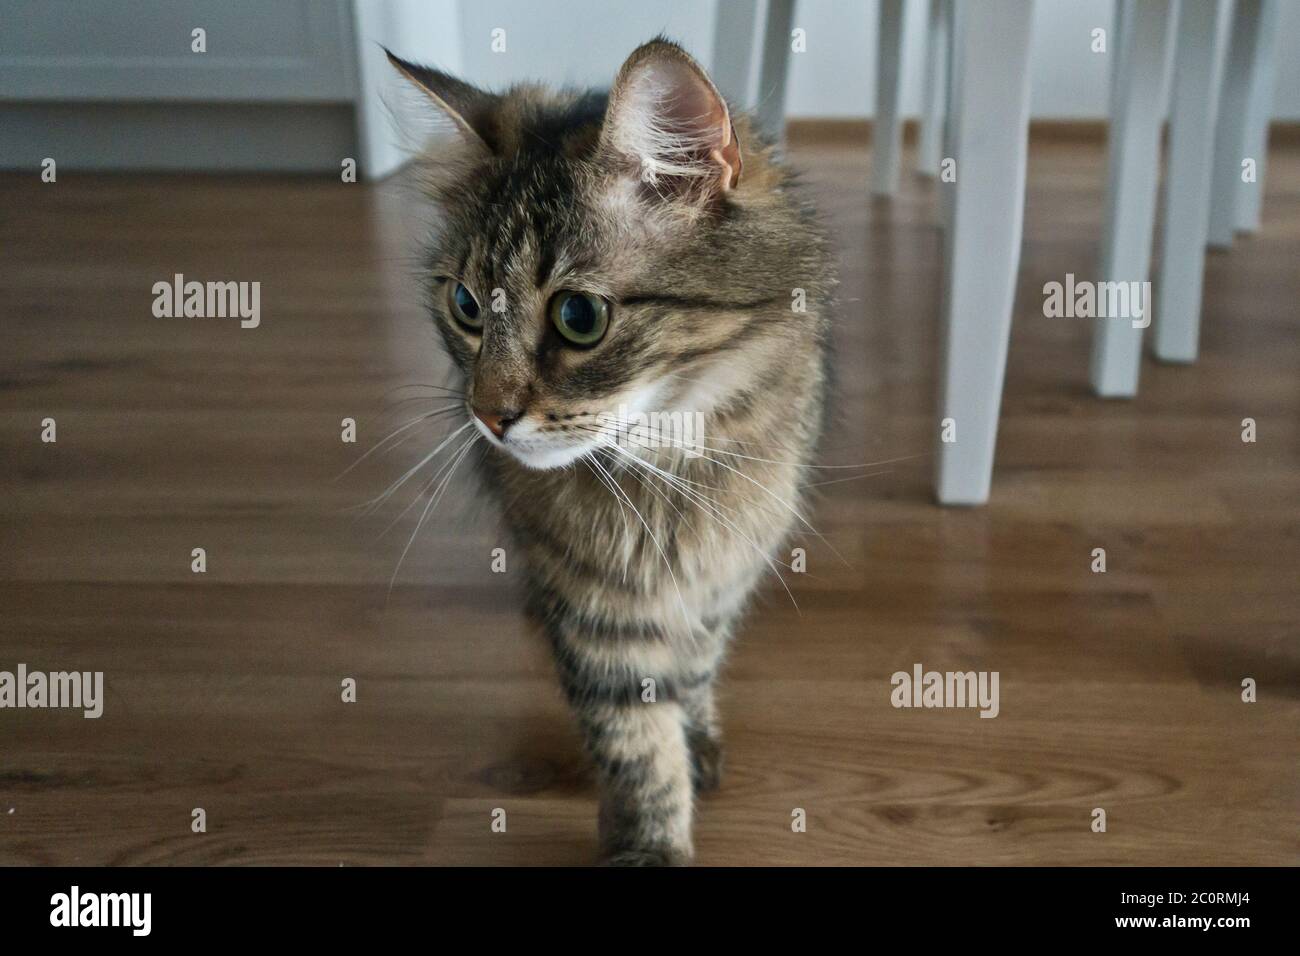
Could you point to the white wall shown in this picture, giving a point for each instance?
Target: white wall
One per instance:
(584, 41)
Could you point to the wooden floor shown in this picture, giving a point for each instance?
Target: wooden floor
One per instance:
(1118, 690)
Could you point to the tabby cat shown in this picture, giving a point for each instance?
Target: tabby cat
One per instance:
(605, 259)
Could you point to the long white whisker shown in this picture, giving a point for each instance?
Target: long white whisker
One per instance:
(377, 501)
(411, 424)
(433, 501)
(657, 435)
(836, 481)
(614, 435)
(686, 617)
(608, 481)
(702, 500)
(442, 469)
(693, 449)
(773, 495)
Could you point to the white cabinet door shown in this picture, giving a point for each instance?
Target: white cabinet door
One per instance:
(96, 50)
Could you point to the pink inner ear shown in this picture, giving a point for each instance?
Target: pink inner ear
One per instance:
(674, 99)
(683, 103)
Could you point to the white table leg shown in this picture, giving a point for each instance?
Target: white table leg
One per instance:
(886, 132)
(773, 66)
(956, 13)
(992, 113)
(1121, 25)
(1134, 170)
(1230, 137)
(1259, 110)
(732, 68)
(936, 84)
(1187, 182)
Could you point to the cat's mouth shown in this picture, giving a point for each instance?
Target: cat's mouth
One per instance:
(535, 449)
(549, 455)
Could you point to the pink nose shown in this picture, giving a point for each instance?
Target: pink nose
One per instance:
(497, 422)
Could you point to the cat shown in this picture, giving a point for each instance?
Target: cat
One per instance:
(605, 259)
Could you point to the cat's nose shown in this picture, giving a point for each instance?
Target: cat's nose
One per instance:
(497, 422)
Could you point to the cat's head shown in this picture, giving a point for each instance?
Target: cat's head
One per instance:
(601, 256)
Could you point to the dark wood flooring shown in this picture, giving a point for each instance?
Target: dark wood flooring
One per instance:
(1118, 690)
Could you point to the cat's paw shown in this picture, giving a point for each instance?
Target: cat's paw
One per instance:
(707, 759)
(648, 856)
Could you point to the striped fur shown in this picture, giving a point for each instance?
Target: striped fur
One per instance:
(641, 560)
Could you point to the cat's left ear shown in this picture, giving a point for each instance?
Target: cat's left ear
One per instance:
(668, 125)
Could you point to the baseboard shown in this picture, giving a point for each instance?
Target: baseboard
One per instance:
(853, 131)
(847, 131)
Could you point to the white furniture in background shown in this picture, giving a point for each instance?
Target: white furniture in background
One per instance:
(978, 62)
(291, 86)
(886, 127)
(751, 52)
(938, 50)
(115, 85)
(990, 110)
(986, 129)
(1205, 199)
(1139, 42)
(1259, 112)
(1243, 120)
(1192, 114)
(975, 111)
(1247, 76)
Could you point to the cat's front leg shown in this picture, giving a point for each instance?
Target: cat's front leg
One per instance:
(704, 736)
(626, 692)
(644, 764)
(703, 725)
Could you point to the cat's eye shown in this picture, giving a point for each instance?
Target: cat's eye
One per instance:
(464, 306)
(580, 317)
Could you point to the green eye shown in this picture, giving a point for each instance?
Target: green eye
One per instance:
(464, 306)
(580, 317)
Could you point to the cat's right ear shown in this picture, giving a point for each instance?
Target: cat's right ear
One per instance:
(473, 111)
